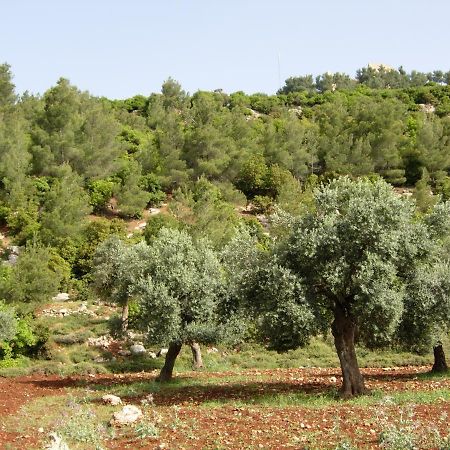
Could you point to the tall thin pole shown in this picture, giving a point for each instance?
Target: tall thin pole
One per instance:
(279, 72)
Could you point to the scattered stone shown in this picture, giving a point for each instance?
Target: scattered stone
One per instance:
(140, 226)
(124, 352)
(252, 114)
(113, 400)
(128, 415)
(132, 335)
(54, 312)
(212, 350)
(333, 379)
(137, 350)
(162, 352)
(40, 430)
(57, 443)
(148, 400)
(102, 341)
(152, 355)
(61, 297)
(297, 111)
(263, 220)
(14, 249)
(427, 108)
(12, 259)
(154, 211)
(100, 359)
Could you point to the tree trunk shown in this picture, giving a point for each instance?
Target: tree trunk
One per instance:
(125, 317)
(440, 364)
(167, 370)
(343, 329)
(196, 355)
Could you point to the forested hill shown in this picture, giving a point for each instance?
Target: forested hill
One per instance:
(66, 153)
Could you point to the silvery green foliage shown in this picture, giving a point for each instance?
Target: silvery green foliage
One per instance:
(282, 223)
(178, 284)
(8, 323)
(259, 289)
(160, 312)
(348, 252)
(277, 300)
(118, 267)
(438, 221)
(241, 259)
(181, 288)
(427, 306)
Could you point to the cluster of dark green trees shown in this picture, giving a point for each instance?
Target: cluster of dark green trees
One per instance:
(74, 166)
(375, 76)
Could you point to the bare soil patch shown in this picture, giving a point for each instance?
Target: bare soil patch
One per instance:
(228, 409)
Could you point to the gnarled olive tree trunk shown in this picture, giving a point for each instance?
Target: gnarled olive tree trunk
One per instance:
(167, 370)
(343, 329)
(440, 364)
(197, 361)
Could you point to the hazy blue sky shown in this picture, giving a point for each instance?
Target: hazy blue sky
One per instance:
(122, 48)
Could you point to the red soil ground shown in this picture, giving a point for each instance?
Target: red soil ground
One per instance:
(247, 425)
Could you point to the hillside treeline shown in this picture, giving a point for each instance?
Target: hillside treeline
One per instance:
(73, 166)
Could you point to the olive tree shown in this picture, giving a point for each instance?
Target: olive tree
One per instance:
(180, 293)
(427, 312)
(350, 254)
(118, 267)
(426, 315)
(8, 323)
(178, 286)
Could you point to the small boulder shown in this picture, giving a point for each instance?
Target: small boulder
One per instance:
(162, 352)
(128, 415)
(57, 443)
(61, 297)
(152, 355)
(137, 350)
(110, 399)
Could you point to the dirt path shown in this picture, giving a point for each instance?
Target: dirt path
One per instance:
(15, 392)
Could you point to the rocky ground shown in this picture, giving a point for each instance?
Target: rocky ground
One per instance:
(270, 409)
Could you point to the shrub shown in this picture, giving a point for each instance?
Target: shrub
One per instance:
(100, 192)
(262, 204)
(156, 223)
(151, 184)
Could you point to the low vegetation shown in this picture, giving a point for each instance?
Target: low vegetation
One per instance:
(261, 240)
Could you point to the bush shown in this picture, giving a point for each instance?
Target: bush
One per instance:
(156, 223)
(74, 338)
(151, 184)
(4, 213)
(28, 339)
(100, 192)
(263, 204)
(35, 278)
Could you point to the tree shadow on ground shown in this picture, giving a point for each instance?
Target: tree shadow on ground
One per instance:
(133, 387)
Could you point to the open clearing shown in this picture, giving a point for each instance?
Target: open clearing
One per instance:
(251, 409)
